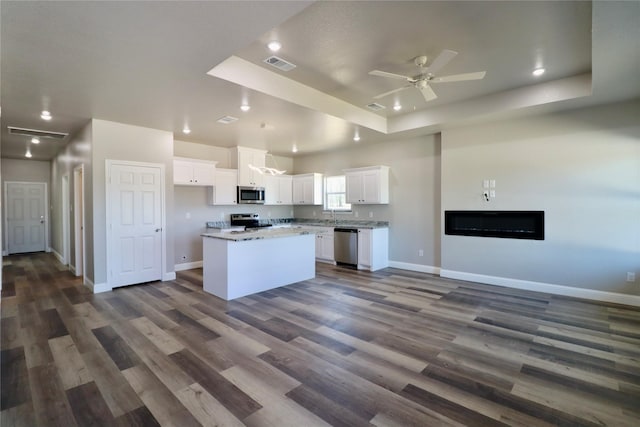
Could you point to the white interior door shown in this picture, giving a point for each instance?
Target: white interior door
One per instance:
(26, 216)
(78, 220)
(65, 219)
(135, 203)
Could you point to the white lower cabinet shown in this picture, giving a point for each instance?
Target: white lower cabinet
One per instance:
(324, 246)
(373, 248)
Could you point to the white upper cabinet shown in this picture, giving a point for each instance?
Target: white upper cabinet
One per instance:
(307, 189)
(246, 159)
(225, 190)
(193, 171)
(368, 186)
(278, 190)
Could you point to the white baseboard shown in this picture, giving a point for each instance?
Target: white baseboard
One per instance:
(72, 269)
(188, 265)
(414, 267)
(527, 285)
(169, 276)
(97, 288)
(58, 256)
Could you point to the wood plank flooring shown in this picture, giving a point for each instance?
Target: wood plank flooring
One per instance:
(348, 348)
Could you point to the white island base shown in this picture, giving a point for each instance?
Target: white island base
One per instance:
(233, 269)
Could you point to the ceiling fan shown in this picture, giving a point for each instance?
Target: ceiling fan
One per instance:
(423, 80)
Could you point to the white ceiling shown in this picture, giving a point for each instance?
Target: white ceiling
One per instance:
(146, 64)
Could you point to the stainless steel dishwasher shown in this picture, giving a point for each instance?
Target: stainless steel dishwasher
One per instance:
(345, 246)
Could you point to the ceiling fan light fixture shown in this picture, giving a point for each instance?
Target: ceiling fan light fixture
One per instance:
(356, 137)
(28, 153)
(538, 72)
(397, 106)
(45, 115)
(186, 130)
(245, 107)
(35, 140)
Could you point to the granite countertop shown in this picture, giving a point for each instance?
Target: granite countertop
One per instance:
(260, 233)
(341, 223)
(302, 222)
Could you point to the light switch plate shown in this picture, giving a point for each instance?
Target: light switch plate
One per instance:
(492, 183)
(485, 183)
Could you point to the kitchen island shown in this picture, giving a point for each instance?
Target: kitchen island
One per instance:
(240, 263)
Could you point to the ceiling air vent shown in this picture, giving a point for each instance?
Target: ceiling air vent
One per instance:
(225, 120)
(375, 106)
(280, 63)
(34, 132)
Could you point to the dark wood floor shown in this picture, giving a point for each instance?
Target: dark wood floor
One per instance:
(347, 349)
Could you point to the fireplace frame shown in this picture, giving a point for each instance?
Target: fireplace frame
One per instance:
(528, 225)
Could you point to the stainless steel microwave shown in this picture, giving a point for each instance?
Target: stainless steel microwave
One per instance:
(251, 195)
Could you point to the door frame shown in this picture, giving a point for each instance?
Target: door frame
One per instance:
(163, 250)
(6, 214)
(79, 236)
(66, 238)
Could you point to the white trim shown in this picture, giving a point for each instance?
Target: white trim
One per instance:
(99, 288)
(164, 276)
(59, 257)
(188, 265)
(72, 269)
(415, 267)
(527, 285)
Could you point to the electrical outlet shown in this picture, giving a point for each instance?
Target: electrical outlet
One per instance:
(314, 213)
(421, 252)
(492, 193)
(485, 183)
(631, 276)
(355, 214)
(492, 183)
(370, 214)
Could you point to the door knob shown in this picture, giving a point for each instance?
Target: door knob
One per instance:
(158, 229)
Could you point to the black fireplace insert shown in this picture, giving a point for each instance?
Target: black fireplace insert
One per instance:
(504, 224)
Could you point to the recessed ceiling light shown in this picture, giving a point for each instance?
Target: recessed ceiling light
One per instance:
(397, 106)
(245, 107)
(294, 149)
(45, 115)
(35, 141)
(28, 153)
(538, 71)
(274, 46)
(356, 138)
(186, 130)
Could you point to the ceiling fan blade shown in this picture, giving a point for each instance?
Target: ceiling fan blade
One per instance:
(382, 95)
(441, 60)
(428, 93)
(390, 75)
(459, 77)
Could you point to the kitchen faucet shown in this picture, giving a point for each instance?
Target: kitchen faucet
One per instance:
(335, 220)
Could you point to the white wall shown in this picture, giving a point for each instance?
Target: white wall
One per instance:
(581, 167)
(117, 141)
(76, 153)
(25, 171)
(193, 202)
(414, 187)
